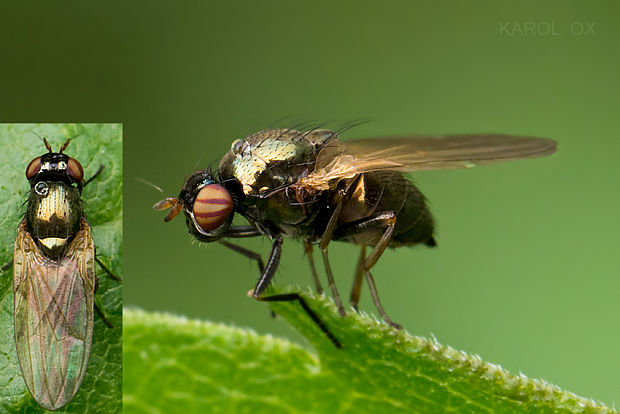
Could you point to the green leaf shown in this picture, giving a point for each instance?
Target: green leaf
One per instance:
(175, 365)
(93, 145)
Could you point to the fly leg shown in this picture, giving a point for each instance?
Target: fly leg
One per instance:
(290, 297)
(108, 271)
(356, 290)
(315, 277)
(98, 309)
(95, 175)
(250, 255)
(6, 266)
(247, 253)
(102, 316)
(111, 275)
(242, 232)
(270, 269)
(382, 221)
(263, 282)
(342, 195)
(325, 239)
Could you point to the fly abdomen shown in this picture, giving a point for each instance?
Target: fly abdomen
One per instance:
(390, 191)
(53, 215)
(414, 222)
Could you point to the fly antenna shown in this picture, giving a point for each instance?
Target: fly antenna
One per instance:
(198, 161)
(66, 144)
(150, 184)
(45, 142)
(47, 145)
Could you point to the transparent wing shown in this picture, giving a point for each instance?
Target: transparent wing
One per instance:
(346, 159)
(53, 316)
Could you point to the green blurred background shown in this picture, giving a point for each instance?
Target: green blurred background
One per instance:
(526, 273)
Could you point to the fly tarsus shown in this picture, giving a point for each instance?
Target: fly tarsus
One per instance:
(6, 267)
(264, 280)
(291, 297)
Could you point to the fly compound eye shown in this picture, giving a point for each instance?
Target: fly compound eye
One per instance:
(75, 170)
(212, 207)
(41, 188)
(33, 168)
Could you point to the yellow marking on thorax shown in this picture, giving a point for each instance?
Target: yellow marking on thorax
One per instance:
(254, 160)
(56, 202)
(52, 242)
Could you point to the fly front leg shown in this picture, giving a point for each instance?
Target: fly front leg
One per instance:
(385, 222)
(291, 297)
(242, 232)
(265, 279)
(95, 175)
(270, 269)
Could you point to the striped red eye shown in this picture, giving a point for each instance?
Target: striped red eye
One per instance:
(212, 207)
(33, 168)
(75, 170)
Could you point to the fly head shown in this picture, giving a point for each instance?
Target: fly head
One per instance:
(208, 206)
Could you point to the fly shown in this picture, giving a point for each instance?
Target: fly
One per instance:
(54, 280)
(316, 188)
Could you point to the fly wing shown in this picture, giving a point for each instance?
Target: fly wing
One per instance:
(54, 303)
(346, 159)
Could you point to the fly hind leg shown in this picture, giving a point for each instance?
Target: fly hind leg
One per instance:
(315, 277)
(386, 222)
(356, 290)
(98, 308)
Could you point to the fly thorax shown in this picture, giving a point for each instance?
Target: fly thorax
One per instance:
(267, 160)
(53, 215)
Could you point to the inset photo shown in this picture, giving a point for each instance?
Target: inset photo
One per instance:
(61, 225)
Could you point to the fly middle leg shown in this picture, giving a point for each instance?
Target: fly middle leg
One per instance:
(384, 222)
